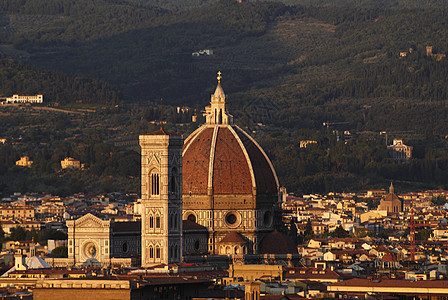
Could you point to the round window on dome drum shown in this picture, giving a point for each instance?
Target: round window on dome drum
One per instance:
(267, 218)
(231, 219)
(192, 218)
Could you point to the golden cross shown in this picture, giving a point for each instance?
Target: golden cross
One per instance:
(219, 76)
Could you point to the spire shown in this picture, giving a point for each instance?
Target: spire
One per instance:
(219, 92)
(216, 112)
(391, 188)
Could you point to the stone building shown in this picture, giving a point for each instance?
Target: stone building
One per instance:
(391, 203)
(215, 194)
(229, 184)
(24, 161)
(25, 99)
(93, 241)
(69, 162)
(161, 197)
(400, 152)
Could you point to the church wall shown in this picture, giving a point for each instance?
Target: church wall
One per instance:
(125, 245)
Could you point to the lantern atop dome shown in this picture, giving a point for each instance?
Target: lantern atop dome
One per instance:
(216, 112)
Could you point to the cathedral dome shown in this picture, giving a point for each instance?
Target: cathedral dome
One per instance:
(223, 159)
(220, 158)
(229, 184)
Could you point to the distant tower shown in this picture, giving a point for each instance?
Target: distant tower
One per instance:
(161, 197)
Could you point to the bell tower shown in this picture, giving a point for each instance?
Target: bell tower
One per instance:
(161, 187)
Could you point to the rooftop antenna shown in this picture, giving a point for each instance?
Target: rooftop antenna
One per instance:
(161, 113)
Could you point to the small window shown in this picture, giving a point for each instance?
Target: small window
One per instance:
(157, 222)
(151, 252)
(157, 252)
(151, 222)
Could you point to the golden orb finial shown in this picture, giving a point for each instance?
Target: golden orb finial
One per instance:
(219, 77)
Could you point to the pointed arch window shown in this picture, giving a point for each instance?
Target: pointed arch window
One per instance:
(151, 222)
(151, 252)
(155, 183)
(157, 252)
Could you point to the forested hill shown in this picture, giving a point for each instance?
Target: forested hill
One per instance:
(58, 88)
(315, 63)
(288, 67)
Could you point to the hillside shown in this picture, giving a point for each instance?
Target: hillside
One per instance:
(287, 69)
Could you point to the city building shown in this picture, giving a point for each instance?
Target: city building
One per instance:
(391, 203)
(305, 143)
(25, 99)
(229, 184)
(217, 193)
(400, 152)
(24, 161)
(96, 242)
(69, 162)
(161, 184)
(19, 212)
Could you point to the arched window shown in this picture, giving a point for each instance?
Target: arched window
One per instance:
(151, 252)
(151, 222)
(155, 184)
(157, 222)
(157, 252)
(192, 218)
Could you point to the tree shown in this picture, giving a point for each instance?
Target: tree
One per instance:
(309, 233)
(18, 234)
(60, 251)
(293, 231)
(439, 200)
(340, 232)
(423, 235)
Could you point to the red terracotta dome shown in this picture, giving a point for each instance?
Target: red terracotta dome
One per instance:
(226, 160)
(228, 183)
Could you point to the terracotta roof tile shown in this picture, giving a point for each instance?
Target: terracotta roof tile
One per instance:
(233, 238)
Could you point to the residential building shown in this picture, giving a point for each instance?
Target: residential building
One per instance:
(24, 161)
(400, 152)
(25, 99)
(69, 162)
